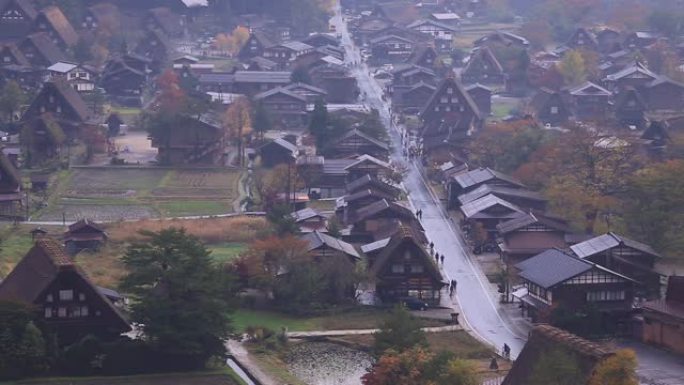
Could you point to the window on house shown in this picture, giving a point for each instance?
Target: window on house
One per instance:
(447, 108)
(51, 99)
(84, 311)
(59, 108)
(554, 110)
(61, 312)
(81, 297)
(48, 312)
(397, 268)
(417, 268)
(444, 99)
(6, 59)
(48, 298)
(66, 295)
(450, 90)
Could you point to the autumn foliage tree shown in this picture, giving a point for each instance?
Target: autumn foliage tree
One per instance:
(618, 369)
(573, 68)
(237, 125)
(418, 366)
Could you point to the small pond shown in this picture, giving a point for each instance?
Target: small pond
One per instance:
(325, 363)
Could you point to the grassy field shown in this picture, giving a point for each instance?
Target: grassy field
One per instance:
(226, 252)
(370, 318)
(110, 194)
(215, 377)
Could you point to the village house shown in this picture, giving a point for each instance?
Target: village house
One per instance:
(664, 93)
(402, 268)
(155, 46)
(321, 246)
(278, 151)
(52, 21)
(337, 80)
(640, 39)
(664, 318)
(369, 222)
(546, 339)
(123, 78)
(583, 39)
(310, 93)
(625, 256)
(368, 165)
(630, 108)
(348, 204)
(10, 55)
(482, 96)
(165, 20)
(449, 116)
(485, 214)
(554, 279)
(609, 40)
(321, 40)
(84, 235)
(530, 234)
(63, 104)
(590, 101)
(256, 45)
(309, 220)
(521, 197)
(410, 99)
(68, 304)
(636, 75)
(16, 18)
(368, 182)
(286, 108)
(550, 107)
(423, 55)
(40, 51)
(504, 38)
(191, 141)
(474, 179)
(356, 142)
(330, 175)
(100, 15)
(483, 67)
(390, 49)
(435, 29)
(286, 53)
(80, 77)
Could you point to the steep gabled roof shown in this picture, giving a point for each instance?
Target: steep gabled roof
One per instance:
(284, 144)
(39, 268)
(83, 224)
(61, 25)
(419, 53)
(483, 54)
(317, 239)
(544, 339)
(45, 47)
(71, 96)
(503, 37)
(458, 90)
(608, 241)
(16, 53)
(25, 5)
(399, 239)
(628, 94)
(304, 214)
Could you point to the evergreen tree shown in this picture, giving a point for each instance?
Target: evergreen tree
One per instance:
(399, 332)
(262, 120)
(181, 299)
(318, 125)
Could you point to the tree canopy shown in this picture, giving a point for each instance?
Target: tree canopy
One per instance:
(181, 300)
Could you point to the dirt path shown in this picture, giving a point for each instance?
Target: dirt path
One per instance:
(241, 355)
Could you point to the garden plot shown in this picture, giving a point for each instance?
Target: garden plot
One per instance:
(111, 194)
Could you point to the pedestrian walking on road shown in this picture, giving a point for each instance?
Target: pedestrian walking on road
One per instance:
(451, 289)
(441, 257)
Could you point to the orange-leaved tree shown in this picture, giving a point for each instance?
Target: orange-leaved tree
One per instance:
(618, 369)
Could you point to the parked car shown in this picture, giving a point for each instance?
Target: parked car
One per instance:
(413, 303)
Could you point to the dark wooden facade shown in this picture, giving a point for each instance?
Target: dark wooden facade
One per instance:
(483, 67)
(356, 142)
(664, 318)
(84, 235)
(404, 268)
(555, 279)
(16, 18)
(192, 141)
(530, 234)
(69, 305)
(286, 108)
(625, 256)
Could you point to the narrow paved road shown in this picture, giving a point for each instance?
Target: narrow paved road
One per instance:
(482, 314)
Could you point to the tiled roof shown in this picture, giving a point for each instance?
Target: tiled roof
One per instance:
(500, 191)
(608, 241)
(532, 218)
(472, 208)
(317, 239)
(482, 175)
(552, 267)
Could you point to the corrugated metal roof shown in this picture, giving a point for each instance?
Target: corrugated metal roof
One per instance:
(551, 268)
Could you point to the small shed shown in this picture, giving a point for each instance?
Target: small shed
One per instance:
(84, 235)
